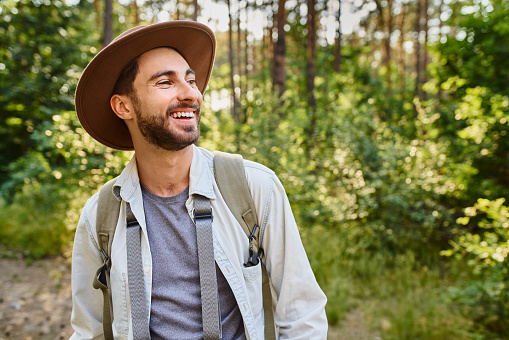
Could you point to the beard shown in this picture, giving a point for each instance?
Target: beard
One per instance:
(157, 131)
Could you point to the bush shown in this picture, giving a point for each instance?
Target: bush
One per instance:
(485, 295)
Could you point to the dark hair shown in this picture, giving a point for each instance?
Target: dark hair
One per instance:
(125, 82)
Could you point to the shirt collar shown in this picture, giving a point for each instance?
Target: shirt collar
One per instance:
(201, 177)
(128, 181)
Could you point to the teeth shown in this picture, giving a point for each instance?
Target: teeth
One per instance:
(182, 114)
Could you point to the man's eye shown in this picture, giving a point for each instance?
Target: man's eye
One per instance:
(192, 81)
(164, 82)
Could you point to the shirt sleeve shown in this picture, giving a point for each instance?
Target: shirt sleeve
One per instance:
(87, 302)
(300, 302)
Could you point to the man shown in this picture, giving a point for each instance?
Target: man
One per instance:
(144, 92)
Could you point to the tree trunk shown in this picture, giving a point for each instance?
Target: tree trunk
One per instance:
(108, 22)
(136, 13)
(247, 46)
(235, 107)
(98, 16)
(272, 43)
(311, 74)
(401, 58)
(381, 26)
(425, 46)
(245, 68)
(386, 27)
(337, 49)
(440, 26)
(388, 50)
(417, 55)
(439, 15)
(238, 52)
(196, 9)
(311, 50)
(279, 73)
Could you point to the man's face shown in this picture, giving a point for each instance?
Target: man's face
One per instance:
(166, 100)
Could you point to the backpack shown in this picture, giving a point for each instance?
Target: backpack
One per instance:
(230, 177)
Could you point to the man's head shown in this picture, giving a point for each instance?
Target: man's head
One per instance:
(102, 78)
(159, 100)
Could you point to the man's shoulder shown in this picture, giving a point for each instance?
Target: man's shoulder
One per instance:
(90, 207)
(257, 167)
(249, 165)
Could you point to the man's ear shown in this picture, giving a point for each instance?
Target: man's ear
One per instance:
(122, 106)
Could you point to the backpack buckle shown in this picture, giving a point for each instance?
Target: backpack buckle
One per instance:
(203, 215)
(254, 258)
(252, 235)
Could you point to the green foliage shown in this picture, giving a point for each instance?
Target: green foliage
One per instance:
(43, 47)
(36, 224)
(485, 295)
(46, 159)
(397, 301)
(478, 53)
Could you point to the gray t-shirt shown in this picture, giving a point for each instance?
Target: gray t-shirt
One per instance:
(176, 295)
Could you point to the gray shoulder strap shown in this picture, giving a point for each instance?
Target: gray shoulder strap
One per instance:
(135, 281)
(108, 209)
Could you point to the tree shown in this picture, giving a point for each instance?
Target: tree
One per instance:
(337, 49)
(385, 23)
(108, 22)
(401, 48)
(417, 52)
(311, 74)
(279, 72)
(235, 110)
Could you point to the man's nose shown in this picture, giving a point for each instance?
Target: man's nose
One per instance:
(188, 93)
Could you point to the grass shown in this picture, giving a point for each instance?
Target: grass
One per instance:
(398, 298)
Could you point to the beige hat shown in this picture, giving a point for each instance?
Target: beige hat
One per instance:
(194, 41)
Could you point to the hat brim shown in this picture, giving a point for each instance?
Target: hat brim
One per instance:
(194, 41)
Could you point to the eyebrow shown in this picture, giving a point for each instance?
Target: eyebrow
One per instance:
(170, 73)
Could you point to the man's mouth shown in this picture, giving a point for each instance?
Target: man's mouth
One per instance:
(182, 114)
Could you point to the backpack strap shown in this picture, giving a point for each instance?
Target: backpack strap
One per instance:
(211, 316)
(231, 180)
(135, 280)
(108, 209)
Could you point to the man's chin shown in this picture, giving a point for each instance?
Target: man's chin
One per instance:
(174, 145)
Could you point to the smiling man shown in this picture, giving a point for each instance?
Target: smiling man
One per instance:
(182, 275)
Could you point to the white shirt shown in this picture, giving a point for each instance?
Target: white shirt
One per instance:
(298, 300)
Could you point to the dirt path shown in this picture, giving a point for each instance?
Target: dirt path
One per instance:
(35, 303)
(35, 300)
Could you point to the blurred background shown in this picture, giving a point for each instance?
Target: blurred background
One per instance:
(386, 121)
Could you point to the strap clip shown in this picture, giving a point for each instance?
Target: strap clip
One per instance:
(252, 235)
(203, 215)
(106, 258)
(254, 258)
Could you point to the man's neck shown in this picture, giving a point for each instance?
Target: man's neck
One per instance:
(164, 173)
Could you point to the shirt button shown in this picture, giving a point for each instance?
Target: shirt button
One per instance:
(147, 269)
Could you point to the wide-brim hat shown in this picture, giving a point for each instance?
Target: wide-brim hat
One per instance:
(194, 41)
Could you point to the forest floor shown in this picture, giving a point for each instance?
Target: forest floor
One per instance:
(35, 303)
